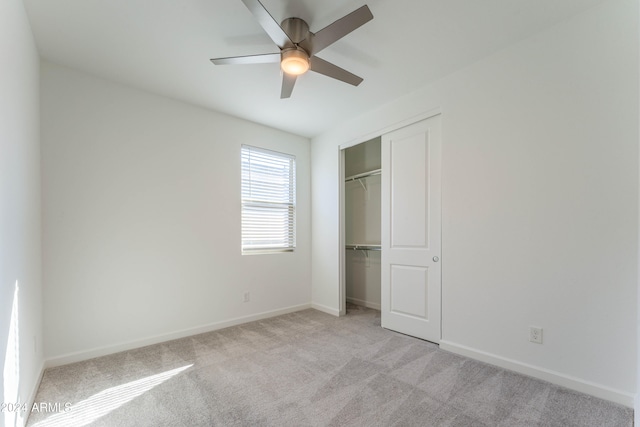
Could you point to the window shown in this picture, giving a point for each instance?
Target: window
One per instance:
(268, 201)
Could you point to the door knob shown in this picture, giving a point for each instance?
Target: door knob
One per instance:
(436, 259)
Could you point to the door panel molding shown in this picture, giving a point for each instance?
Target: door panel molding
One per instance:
(408, 291)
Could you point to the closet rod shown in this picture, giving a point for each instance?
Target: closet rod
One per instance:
(364, 247)
(363, 175)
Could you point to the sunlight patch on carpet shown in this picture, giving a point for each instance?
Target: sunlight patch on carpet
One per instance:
(100, 404)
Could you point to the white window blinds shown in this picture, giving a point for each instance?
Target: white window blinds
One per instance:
(268, 200)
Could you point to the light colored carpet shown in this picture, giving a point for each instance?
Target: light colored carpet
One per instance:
(308, 369)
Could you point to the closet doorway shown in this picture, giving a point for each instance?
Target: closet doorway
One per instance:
(362, 226)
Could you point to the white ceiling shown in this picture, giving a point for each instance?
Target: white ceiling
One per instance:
(164, 46)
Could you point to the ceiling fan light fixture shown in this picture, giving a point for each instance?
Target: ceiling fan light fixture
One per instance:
(298, 45)
(295, 61)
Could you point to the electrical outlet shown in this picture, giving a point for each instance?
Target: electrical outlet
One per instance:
(247, 296)
(535, 335)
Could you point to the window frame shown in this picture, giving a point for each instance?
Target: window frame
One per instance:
(259, 165)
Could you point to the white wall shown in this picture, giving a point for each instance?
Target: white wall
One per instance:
(540, 202)
(637, 401)
(141, 222)
(20, 239)
(363, 278)
(363, 211)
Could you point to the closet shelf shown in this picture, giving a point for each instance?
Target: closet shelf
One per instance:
(364, 247)
(363, 175)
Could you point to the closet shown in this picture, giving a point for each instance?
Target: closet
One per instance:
(392, 227)
(362, 192)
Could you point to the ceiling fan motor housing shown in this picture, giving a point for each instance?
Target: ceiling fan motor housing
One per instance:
(297, 29)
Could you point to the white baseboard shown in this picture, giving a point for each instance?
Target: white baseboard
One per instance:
(129, 345)
(325, 309)
(577, 384)
(363, 303)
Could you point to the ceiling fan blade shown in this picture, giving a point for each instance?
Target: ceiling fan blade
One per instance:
(343, 26)
(288, 81)
(321, 66)
(270, 25)
(249, 59)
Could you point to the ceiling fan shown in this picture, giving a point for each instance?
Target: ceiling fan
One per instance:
(299, 46)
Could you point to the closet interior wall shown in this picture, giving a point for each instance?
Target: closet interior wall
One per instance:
(362, 223)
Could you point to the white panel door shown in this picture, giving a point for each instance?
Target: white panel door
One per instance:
(411, 229)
